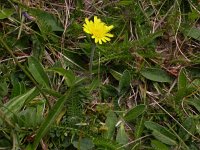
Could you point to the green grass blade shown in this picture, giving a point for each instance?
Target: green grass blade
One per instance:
(54, 112)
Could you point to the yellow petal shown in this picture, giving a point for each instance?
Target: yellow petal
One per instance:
(100, 42)
(86, 20)
(109, 35)
(96, 40)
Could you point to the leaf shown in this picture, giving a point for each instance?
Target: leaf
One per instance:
(18, 88)
(189, 125)
(124, 82)
(182, 80)
(122, 137)
(111, 120)
(45, 18)
(5, 13)
(106, 144)
(3, 88)
(134, 112)
(147, 39)
(83, 144)
(117, 75)
(53, 113)
(195, 103)
(163, 138)
(108, 91)
(156, 74)
(192, 32)
(15, 104)
(157, 145)
(139, 127)
(38, 72)
(161, 133)
(67, 74)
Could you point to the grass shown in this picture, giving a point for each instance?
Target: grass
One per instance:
(138, 91)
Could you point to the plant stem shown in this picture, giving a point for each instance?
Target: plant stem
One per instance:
(24, 70)
(91, 58)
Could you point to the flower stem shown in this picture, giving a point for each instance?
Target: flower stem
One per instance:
(91, 58)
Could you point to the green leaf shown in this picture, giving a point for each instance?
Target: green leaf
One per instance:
(124, 82)
(18, 88)
(134, 112)
(108, 91)
(189, 125)
(155, 74)
(195, 103)
(16, 104)
(106, 144)
(117, 75)
(139, 127)
(5, 13)
(111, 120)
(122, 137)
(67, 74)
(83, 144)
(53, 113)
(163, 138)
(182, 80)
(147, 39)
(38, 72)
(192, 32)
(45, 18)
(157, 145)
(161, 133)
(3, 88)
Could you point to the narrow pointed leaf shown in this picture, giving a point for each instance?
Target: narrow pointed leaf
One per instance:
(54, 112)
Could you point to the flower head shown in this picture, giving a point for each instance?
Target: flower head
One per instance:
(98, 29)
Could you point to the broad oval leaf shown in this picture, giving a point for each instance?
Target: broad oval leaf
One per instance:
(161, 133)
(134, 112)
(163, 138)
(111, 121)
(38, 72)
(155, 74)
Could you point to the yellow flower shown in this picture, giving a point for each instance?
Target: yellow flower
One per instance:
(98, 29)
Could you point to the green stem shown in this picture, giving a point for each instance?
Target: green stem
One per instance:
(24, 70)
(91, 58)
